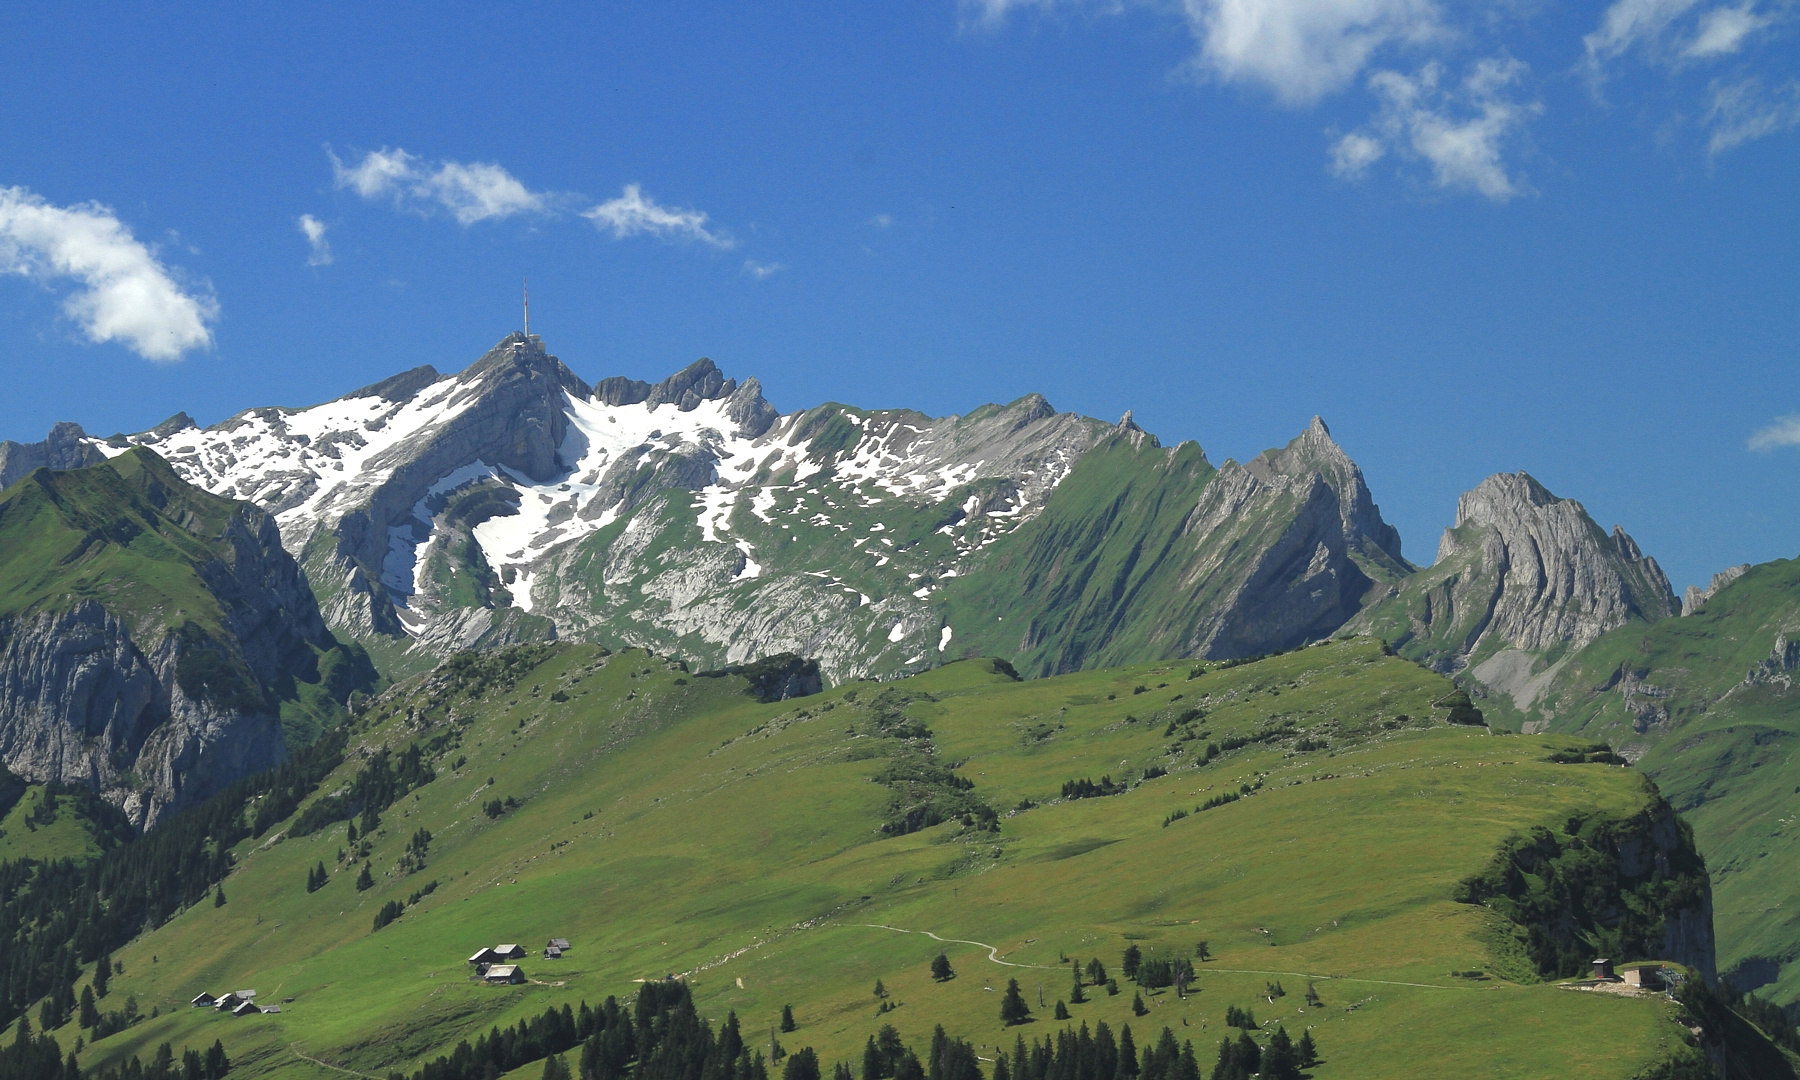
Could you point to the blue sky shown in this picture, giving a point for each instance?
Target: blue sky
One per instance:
(1519, 235)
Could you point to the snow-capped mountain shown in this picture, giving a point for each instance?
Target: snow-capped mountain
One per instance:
(514, 501)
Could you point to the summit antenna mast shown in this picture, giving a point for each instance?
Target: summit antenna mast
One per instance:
(527, 307)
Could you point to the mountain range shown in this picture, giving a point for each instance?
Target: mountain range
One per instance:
(515, 502)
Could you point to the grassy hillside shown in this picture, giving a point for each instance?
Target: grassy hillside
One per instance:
(667, 823)
(51, 821)
(1721, 746)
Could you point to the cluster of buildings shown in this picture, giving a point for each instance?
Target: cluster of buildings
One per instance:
(1641, 977)
(235, 1002)
(497, 966)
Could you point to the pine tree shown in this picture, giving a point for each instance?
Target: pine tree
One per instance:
(1133, 957)
(1001, 1071)
(365, 880)
(102, 973)
(940, 969)
(803, 1065)
(1279, 1060)
(192, 1067)
(1307, 1051)
(880, 990)
(1128, 1059)
(89, 1015)
(1112, 988)
(1062, 1010)
(787, 1018)
(1137, 1006)
(1312, 995)
(555, 1068)
(1096, 971)
(1013, 1009)
(1075, 994)
(350, 836)
(841, 1071)
(219, 897)
(1201, 952)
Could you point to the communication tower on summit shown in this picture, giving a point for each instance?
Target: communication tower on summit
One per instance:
(527, 307)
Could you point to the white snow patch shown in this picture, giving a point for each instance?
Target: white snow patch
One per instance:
(898, 632)
(944, 639)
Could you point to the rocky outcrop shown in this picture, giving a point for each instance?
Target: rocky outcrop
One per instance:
(1696, 597)
(1778, 668)
(1521, 573)
(82, 703)
(164, 684)
(66, 447)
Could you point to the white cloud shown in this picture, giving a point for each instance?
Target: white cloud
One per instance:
(1631, 22)
(632, 213)
(1303, 49)
(762, 271)
(1724, 29)
(314, 231)
(1459, 130)
(1352, 155)
(126, 295)
(1746, 109)
(881, 221)
(1782, 431)
(481, 191)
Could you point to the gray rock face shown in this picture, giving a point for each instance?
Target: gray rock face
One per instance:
(64, 448)
(1521, 572)
(1696, 597)
(1560, 578)
(81, 703)
(1317, 536)
(86, 698)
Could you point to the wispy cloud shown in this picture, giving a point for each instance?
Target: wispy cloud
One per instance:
(314, 231)
(762, 271)
(1746, 108)
(633, 213)
(881, 221)
(1724, 30)
(1782, 431)
(125, 295)
(1459, 130)
(471, 192)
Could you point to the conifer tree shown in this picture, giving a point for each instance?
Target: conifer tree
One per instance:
(940, 969)
(555, 1068)
(1112, 988)
(350, 835)
(1307, 1051)
(872, 1069)
(1186, 1068)
(841, 1071)
(365, 880)
(907, 1068)
(880, 990)
(89, 1015)
(1001, 1071)
(787, 1018)
(1013, 1009)
(219, 897)
(1062, 1010)
(1096, 971)
(1280, 1062)
(102, 973)
(1137, 1006)
(1201, 952)
(1075, 994)
(1128, 1059)
(802, 1065)
(1133, 957)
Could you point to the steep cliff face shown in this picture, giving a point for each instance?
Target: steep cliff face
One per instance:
(1521, 577)
(1599, 885)
(152, 637)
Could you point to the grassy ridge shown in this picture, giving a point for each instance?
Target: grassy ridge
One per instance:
(1722, 750)
(669, 824)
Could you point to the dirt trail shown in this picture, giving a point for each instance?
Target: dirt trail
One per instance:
(993, 952)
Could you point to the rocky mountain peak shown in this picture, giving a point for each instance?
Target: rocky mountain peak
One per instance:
(1521, 572)
(1696, 597)
(521, 358)
(1314, 458)
(66, 447)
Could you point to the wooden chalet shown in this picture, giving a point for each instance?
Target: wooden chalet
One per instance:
(503, 974)
(551, 952)
(247, 1008)
(484, 956)
(561, 943)
(509, 952)
(203, 1000)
